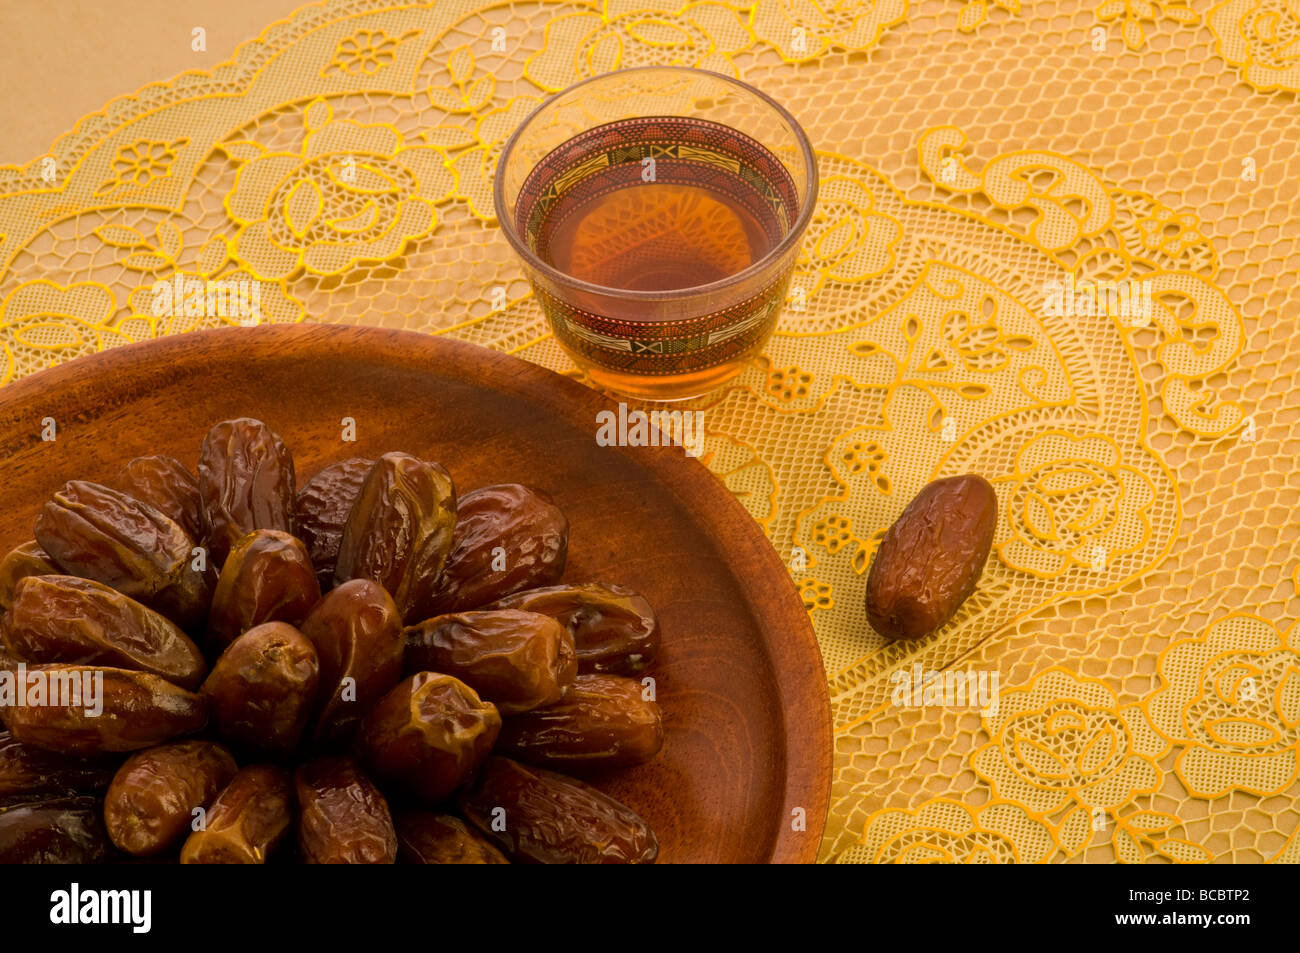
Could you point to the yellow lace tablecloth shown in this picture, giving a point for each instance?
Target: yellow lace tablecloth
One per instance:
(1138, 609)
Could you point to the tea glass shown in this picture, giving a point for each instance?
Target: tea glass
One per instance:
(659, 344)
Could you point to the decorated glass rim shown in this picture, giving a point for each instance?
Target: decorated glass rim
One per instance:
(788, 241)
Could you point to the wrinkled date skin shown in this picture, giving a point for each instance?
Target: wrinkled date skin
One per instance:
(19, 563)
(83, 622)
(139, 710)
(400, 529)
(357, 633)
(516, 660)
(150, 804)
(603, 721)
(99, 533)
(551, 819)
(323, 506)
(67, 830)
(508, 537)
(25, 770)
(268, 577)
(167, 485)
(343, 819)
(931, 558)
(614, 629)
(263, 687)
(247, 821)
(246, 482)
(424, 837)
(429, 734)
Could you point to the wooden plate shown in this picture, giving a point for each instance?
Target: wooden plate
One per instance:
(740, 677)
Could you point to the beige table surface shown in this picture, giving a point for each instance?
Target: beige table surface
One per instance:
(61, 59)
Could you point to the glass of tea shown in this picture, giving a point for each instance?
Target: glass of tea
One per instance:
(658, 212)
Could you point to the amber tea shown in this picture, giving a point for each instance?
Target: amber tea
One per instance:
(660, 246)
(660, 236)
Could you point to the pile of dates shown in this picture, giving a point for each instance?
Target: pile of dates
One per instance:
(368, 669)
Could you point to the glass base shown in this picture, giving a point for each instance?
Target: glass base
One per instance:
(665, 389)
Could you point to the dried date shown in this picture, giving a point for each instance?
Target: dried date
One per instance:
(153, 798)
(25, 770)
(931, 557)
(428, 735)
(343, 819)
(400, 529)
(246, 482)
(165, 484)
(516, 660)
(551, 819)
(19, 563)
(508, 538)
(322, 509)
(127, 711)
(357, 633)
(603, 721)
(263, 687)
(424, 837)
(247, 821)
(614, 629)
(99, 533)
(82, 622)
(268, 577)
(68, 830)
